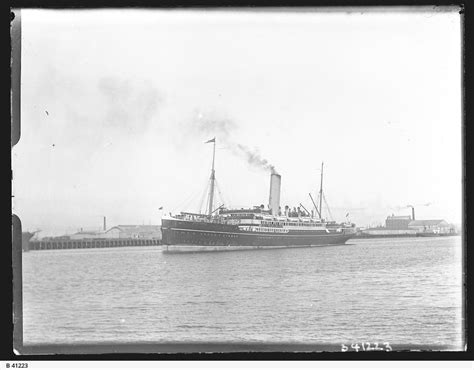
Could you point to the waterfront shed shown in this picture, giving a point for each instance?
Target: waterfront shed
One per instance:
(86, 235)
(134, 232)
(435, 226)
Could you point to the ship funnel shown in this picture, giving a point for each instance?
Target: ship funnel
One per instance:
(275, 185)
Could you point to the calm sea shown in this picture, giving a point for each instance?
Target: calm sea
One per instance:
(380, 290)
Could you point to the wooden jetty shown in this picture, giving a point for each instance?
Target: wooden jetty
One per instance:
(88, 243)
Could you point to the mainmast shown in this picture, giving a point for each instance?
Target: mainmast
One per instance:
(213, 178)
(321, 193)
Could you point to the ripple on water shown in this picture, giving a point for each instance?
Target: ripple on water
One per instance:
(401, 291)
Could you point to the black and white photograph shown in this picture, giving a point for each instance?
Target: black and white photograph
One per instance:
(240, 180)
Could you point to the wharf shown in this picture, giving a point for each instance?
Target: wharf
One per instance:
(88, 243)
(376, 236)
(415, 235)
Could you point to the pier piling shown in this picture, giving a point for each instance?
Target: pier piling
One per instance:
(92, 243)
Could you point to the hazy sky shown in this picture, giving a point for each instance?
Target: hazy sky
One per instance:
(116, 106)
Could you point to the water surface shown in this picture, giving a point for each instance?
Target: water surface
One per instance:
(406, 290)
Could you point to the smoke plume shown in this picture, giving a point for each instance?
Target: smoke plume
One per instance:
(254, 158)
(223, 129)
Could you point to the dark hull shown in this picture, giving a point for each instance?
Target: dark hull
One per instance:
(198, 236)
(25, 240)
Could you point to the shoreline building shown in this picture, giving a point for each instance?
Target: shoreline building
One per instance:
(134, 232)
(121, 232)
(396, 226)
(431, 227)
(397, 222)
(117, 236)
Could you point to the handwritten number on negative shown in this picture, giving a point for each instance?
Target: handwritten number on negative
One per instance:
(366, 347)
(355, 346)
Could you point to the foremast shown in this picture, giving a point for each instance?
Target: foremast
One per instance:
(213, 178)
(321, 193)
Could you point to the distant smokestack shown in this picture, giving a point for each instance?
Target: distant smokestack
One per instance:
(413, 213)
(105, 224)
(275, 185)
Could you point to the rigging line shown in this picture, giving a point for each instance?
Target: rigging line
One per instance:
(190, 200)
(317, 202)
(223, 200)
(221, 195)
(208, 193)
(218, 192)
(203, 196)
(228, 199)
(327, 206)
(187, 200)
(180, 205)
(328, 209)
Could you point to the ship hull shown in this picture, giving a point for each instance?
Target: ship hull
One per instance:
(25, 240)
(185, 236)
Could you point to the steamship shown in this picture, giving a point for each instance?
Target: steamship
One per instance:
(253, 228)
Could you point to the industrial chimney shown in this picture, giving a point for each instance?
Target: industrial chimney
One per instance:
(105, 224)
(412, 212)
(275, 185)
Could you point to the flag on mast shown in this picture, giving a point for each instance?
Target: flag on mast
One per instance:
(211, 141)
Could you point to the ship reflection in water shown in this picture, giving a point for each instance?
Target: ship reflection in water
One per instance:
(254, 228)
